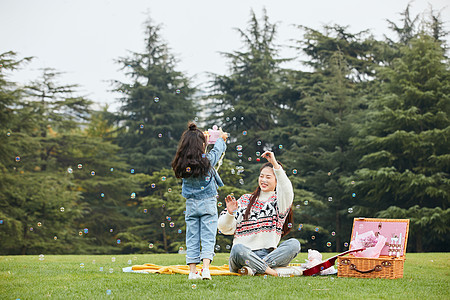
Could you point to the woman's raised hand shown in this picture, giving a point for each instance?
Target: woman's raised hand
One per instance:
(271, 158)
(231, 203)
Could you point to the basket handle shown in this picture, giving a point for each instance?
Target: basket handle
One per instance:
(377, 268)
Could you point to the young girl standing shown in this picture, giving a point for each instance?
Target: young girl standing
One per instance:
(200, 183)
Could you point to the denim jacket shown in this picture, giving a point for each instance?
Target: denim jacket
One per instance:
(205, 186)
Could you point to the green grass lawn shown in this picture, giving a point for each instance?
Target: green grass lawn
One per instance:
(426, 276)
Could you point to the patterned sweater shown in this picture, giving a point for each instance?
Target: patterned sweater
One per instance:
(266, 219)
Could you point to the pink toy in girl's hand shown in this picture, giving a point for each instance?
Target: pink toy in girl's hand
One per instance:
(212, 134)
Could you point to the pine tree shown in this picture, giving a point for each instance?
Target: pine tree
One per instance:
(156, 105)
(406, 161)
(248, 102)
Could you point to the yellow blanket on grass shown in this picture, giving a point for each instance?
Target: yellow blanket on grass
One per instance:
(181, 269)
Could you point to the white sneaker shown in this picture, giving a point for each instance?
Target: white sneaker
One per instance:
(194, 276)
(246, 271)
(205, 274)
(290, 271)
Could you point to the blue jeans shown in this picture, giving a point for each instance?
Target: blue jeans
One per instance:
(201, 228)
(260, 260)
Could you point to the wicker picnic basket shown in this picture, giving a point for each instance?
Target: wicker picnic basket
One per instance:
(392, 258)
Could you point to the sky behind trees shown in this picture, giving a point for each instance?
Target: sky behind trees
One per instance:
(84, 38)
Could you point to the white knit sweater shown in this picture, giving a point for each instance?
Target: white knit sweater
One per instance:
(266, 219)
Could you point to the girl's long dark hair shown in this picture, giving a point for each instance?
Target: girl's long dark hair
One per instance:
(255, 195)
(190, 159)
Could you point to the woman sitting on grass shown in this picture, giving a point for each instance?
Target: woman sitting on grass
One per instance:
(258, 222)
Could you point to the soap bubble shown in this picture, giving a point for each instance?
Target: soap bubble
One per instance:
(41, 257)
(289, 225)
(265, 276)
(350, 210)
(188, 170)
(239, 154)
(81, 265)
(163, 225)
(108, 292)
(280, 147)
(145, 210)
(69, 170)
(345, 244)
(92, 173)
(101, 269)
(194, 286)
(150, 246)
(352, 182)
(180, 249)
(306, 202)
(329, 173)
(328, 244)
(160, 135)
(156, 99)
(241, 181)
(249, 159)
(316, 229)
(93, 261)
(113, 259)
(180, 231)
(80, 166)
(228, 247)
(102, 195)
(141, 126)
(17, 158)
(132, 171)
(219, 204)
(217, 247)
(8, 133)
(247, 262)
(313, 237)
(353, 195)
(153, 185)
(294, 171)
(31, 228)
(61, 209)
(86, 230)
(111, 230)
(80, 233)
(133, 195)
(168, 218)
(55, 237)
(39, 224)
(177, 91)
(244, 132)
(112, 169)
(258, 143)
(172, 224)
(163, 178)
(333, 233)
(239, 147)
(111, 270)
(330, 199)
(228, 119)
(118, 241)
